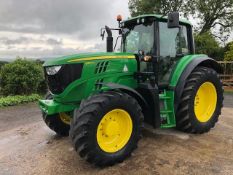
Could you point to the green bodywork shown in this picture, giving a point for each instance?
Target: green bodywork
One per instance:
(181, 65)
(82, 88)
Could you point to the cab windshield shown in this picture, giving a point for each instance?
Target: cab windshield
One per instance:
(139, 38)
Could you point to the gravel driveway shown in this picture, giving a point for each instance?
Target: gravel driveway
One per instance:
(27, 146)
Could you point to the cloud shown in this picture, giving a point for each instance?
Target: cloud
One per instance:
(28, 40)
(52, 41)
(56, 27)
(55, 17)
(43, 52)
(7, 41)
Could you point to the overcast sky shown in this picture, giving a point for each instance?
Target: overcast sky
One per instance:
(47, 28)
(50, 28)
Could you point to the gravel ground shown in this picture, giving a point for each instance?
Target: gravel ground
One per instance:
(27, 146)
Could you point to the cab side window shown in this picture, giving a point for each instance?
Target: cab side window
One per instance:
(173, 41)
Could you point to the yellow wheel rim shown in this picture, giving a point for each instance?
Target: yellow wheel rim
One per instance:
(114, 130)
(205, 101)
(64, 118)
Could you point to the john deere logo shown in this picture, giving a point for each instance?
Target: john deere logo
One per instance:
(125, 69)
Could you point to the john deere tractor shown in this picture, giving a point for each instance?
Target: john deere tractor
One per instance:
(102, 100)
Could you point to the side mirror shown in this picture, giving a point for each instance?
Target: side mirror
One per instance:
(173, 20)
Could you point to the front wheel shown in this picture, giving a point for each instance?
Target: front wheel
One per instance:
(201, 101)
(106, 128)
(59, 123)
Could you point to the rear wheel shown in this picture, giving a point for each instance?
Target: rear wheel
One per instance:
(106, 128)
(60, 123)
(201, 101)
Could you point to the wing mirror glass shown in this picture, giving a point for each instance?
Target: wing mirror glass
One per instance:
(173, 20)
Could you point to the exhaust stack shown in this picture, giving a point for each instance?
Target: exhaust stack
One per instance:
(109, 39)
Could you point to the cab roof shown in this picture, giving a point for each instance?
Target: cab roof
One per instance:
(157, 16)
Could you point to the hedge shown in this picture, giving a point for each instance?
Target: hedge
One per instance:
(22, 77)
(18, 99)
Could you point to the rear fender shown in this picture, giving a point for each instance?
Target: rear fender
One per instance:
(201, 61)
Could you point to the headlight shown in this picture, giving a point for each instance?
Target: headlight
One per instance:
(53, 70)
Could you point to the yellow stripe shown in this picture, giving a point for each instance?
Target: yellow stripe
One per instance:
(101, 58)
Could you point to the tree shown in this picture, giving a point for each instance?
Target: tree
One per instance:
(206, 44)
(2, 63)
(228, 55)
(139, 7)
(21, 77)
(215, 15)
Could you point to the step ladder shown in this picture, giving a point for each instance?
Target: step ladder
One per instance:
(167, 109)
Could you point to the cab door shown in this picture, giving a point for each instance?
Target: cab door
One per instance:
(173, 44)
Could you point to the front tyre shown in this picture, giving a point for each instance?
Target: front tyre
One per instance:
(106, 128)
(59, 123)
(201, 101)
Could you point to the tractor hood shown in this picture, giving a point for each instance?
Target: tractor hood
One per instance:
(86, 57)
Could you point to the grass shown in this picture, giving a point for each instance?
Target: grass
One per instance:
(18, 99)
(228, 90)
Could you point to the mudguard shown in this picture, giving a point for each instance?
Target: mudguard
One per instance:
(199, 61)
(150, 108)
(130, 91)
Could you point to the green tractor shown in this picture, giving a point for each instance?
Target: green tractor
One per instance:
(102, 100)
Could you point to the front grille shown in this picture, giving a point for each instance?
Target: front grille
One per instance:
(68, 73)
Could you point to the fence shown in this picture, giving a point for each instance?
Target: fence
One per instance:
(227, 76)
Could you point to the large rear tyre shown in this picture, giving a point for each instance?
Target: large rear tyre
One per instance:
(201, 101)
(59, 123)
(106, 128)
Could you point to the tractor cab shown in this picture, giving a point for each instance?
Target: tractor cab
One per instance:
(159, 43)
